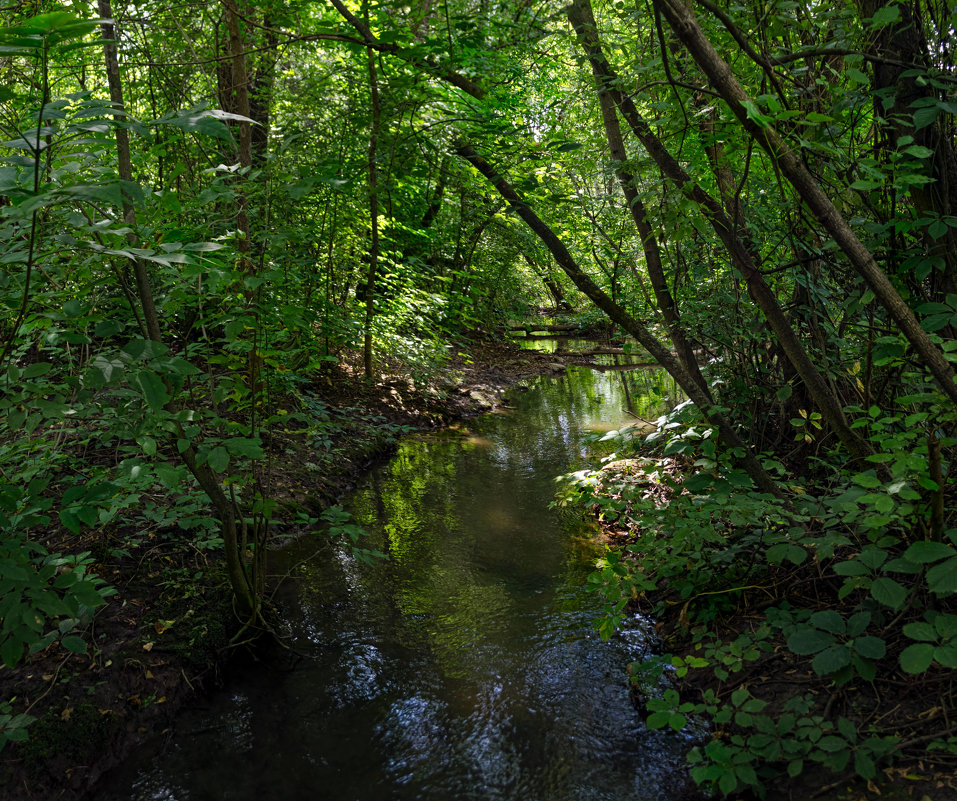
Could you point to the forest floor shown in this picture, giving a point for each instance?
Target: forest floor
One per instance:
(166, 633)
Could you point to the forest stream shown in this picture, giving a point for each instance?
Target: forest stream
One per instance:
(466, 665)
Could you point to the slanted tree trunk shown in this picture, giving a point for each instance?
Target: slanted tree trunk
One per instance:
(619, 316)
(744, 259)
(550, 284)
(581, 17)
(682, 21)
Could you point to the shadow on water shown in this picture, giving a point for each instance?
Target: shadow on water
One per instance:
(465, 666)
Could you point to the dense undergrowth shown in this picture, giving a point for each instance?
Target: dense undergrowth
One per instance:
(810, 639)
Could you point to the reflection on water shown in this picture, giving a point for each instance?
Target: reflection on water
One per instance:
(464, 667)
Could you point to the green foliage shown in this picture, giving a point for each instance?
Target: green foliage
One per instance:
(714, 542)
(13, 728)
(774, 744)
(44, 598)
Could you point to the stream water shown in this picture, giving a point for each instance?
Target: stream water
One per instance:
(463, 667)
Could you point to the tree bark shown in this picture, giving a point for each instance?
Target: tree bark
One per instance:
(581, 16)
(240, 105)
(901, 52)
(558, 297)
(247, 600)
(125, 166)
(373, 213)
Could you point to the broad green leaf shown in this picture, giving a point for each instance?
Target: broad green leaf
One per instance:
(243, 446)
(925, 116)
(168, 474)
(74, 644)
(728, 782)
(107, 328)
(946, 625)
(11, 650)
(218, 459)
(870, 647)
(74, 308)
(885, 16)
(926, 551)
(70, 520)
(153, 389)
(850, 568)
(946, 656)
(888, 592)
(832, 659)
(857, 623)
(37, 369)
(86, 593)
(924, 632)
(864, 766)
(832, 743)
(867, 480)
(658, 720)
(754, 114)
(107, 369)
(917, 658)
(847, 730)
(942, 578)
(807, 640)
(89, 515)
(829, 620)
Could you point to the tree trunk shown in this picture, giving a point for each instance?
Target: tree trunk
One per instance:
(558, 297)
(741, 257)
(901, 53)
(686, 27)
(229, 516)
(619, 316)
(240, 105)
(373, 214)
(581, 17)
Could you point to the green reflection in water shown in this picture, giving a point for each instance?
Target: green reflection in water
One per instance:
(464, 667)
(476, 553)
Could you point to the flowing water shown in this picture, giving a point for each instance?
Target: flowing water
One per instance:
(465, 666)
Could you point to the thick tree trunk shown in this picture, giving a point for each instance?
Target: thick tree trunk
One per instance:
(901, 51)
